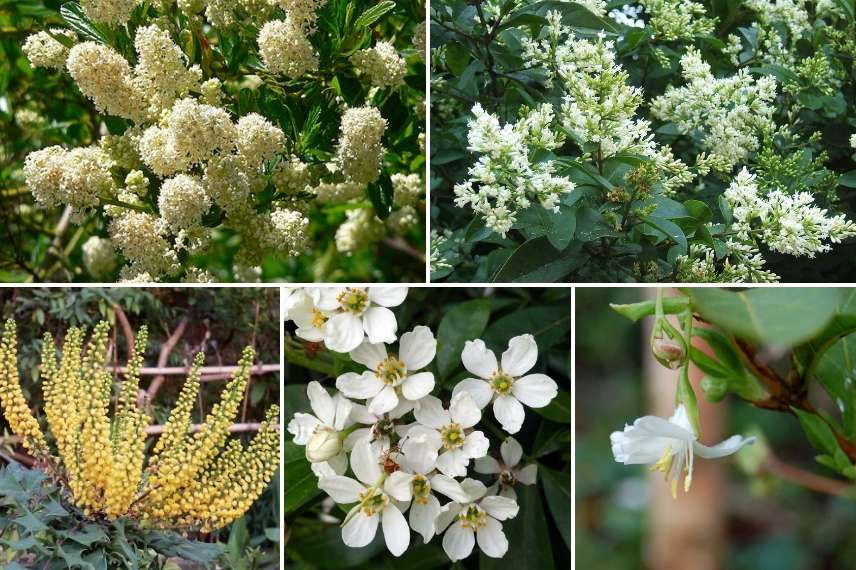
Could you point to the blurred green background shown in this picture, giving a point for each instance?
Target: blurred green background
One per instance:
(540, 536)
(769, 524)
(219, 321)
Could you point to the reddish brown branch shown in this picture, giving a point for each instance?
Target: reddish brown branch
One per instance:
(774, 466)
(163, 357)
(127, 330)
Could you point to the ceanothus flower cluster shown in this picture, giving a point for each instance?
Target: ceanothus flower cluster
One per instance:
(409, 452)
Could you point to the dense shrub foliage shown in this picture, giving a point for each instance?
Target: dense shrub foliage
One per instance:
(668, 140)
(206, 140)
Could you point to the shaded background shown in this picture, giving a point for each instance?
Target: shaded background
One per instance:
(625, 519)
(540, 536)
(218, 321)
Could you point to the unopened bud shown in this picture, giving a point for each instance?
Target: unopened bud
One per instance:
(667, 351)
(323, 445)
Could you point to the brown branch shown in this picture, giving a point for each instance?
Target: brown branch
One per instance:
(212, 372)
(127, 330)
(157, 430)
(774, 466)
(163, 358)
(766, 375)
(404, 247)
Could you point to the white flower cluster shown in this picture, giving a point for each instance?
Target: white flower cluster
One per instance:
(730, 112)
(505, 180)
(360, 148)
(787, 223)
(382, 64)
(399, 464)
(114, 12)
(743, 263)
(629, 15)
(672, 20)
(285, 48)
(853, 140)
(106, 77)
(42, 50)
(78, 177)
(99, 257)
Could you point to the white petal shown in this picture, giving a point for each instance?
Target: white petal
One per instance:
(509, 412)
(521, 355)
(387, 296)
(492, 540)
(535, 390)
(448, 513)
(395, 530)
(447, 486)
(385, 401)
(338, 463)
(527, 475)
(453, 463)
(417, 386)
(682, 419)
(511, 452)
(369, 354)
(342, 417)
(360, 414)
(422, 517)
(397, 486)
(360, 386)
(474, 489)
(727, 447)
(420, 453)
(487, 465)
(344, 332)
(478, 389)
(508, 493)
(325, 298)
(479, 359)
(458, 542)
(475, 445)
(499, 508)
(321, 402)
(365, 464)
(341, 489)
(301, 426)
(360, 530)
(431, 413)
(417, 348)
(379, 324)
(356, 436)
(646, 440)
(464, 410)
(324, 469)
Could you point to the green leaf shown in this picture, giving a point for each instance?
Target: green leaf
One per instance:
(78, 21)
(770, 316)
(550, 325)
(636, 311)
(374, 14)
(551, 437)
(173, 544)
(848, 179)
(326, 551)
(89, 535)
(528, 536)
(537, 261)
(836, 371)
(559, 226)
(560, 408)
(462, 322)
(557, 489)
(381, 195)
(457, 57)
(671, 230)
(822, 439)
(300, 483)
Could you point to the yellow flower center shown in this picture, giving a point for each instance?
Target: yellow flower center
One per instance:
(318, 318)
(452, 436)
(391, 371)
(372, 501)
(501, 383)
(473, 517)
(421, 489)
(354, 300)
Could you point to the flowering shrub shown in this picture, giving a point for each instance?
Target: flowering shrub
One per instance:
(192, 479)
(674, 140)
(404, 440)
(785, 350)
(238, 140)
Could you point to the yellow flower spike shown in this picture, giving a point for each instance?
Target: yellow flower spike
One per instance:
(12, 400)
(177, 428)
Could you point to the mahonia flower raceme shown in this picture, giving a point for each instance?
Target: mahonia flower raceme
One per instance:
(321, 433)
(391, 377)
(508, 470)
(505, 383)
(669, 445)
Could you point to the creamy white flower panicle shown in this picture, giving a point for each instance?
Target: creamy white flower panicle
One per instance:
(304, 12)
(138, 236)
(42, 50)
(360, 149)
(114, 12)
(338, 192)
(106, 77)
(161, 69)
(284, 48)
(853, 140)
(288, 231)
(258, 140)
(361, 228)
(505, 382)
(99, 257)
(669, 446)
(182, 202)
(382, 64)
(407, 189)
(419, 40)
(77, 177)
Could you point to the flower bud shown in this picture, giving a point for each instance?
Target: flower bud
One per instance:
(667, 351)
(323, 445)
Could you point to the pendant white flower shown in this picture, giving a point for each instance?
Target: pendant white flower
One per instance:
(509, 473)
(358, 312)
(506, 384)
(669, 446)
(448, 430)
(476, 520)
(375, 493)
(391, 377)
(320, 433)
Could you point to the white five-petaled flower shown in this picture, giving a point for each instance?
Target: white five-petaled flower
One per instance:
(669, 446)
(506, 384)
(391, 377)
(357, 312)
(321, 433)
(507, 470)
(376, 494)
(310, 320)
(379, 426)
(446, 430)
(476, 520)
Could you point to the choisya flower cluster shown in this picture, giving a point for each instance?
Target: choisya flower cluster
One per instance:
(194, 479)
(187, 166)
(409, 453)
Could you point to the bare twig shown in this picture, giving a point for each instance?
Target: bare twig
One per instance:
(163, 358)
(127, 330)
(401, 245)
(211, 372)
(774, 466)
